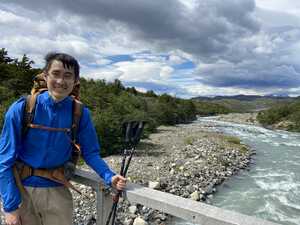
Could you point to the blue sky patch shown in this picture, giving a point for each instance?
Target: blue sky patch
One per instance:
(185, 65)
(120, 58)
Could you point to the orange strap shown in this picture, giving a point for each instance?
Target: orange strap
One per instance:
(37, 126)
(56, 175)
(66, 130)
(18, 179)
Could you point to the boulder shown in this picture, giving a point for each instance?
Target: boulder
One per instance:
(153, 185)
(195, 196)
(139, 221)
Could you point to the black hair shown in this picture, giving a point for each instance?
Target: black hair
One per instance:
(67, 61)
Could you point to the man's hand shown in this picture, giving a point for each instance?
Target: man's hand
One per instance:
(118, 182)
(13, 218)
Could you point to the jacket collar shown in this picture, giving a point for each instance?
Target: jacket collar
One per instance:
(46, 97)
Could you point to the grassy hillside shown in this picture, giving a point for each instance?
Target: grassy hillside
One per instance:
(244, 103)
(210, 108)
(282, 115)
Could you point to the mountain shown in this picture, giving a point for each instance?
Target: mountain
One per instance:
(246, 103)
(242, 97)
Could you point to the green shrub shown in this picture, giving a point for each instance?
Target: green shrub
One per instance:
(233, 140)
(189, 140)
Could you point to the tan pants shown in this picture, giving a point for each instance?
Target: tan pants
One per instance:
(47, 206)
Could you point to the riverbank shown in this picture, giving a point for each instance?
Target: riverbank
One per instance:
(241, 118)
(185, 160)
(250, 119)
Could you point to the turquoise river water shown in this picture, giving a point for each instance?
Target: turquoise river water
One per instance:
(271, 188)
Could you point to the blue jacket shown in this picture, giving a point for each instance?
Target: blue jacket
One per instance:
(42, 148)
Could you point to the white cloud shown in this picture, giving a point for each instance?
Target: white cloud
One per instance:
(149, 56)
(289, 6)
(237, 46)
(140, 89)
(190, 4)
(139, 70)
(205, 90)
(8, 17)
(166, 72)
(108, 75)
(102, 61)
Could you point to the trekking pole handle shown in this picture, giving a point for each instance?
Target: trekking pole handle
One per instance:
(128, 162)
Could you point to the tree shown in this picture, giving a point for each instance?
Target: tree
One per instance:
(25, 63)
(150, 93)
(116, 87)
(4, 57)
(132, 90)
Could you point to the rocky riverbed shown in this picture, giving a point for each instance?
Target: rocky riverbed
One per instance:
(185, 160)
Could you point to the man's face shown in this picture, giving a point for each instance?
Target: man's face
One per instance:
(60, 80)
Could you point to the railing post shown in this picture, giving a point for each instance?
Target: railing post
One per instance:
(103, 204)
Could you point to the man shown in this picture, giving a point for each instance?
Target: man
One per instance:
(44, 201)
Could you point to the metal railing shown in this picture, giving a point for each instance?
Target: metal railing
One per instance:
(189, 210)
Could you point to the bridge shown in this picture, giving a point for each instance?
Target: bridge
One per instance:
(189, 210)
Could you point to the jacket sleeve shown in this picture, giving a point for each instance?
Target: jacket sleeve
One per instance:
(10, 145)
(91, 149)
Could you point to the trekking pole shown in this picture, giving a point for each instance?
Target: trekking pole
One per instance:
(114, 206)
(133, 132)
(120, 192)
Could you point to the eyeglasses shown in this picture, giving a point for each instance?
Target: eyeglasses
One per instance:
(68, 77)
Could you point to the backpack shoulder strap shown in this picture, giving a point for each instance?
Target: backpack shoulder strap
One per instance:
(29, 112)
(77, 112)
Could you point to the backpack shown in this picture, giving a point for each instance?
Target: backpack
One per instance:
(39, 86)
(65, 172)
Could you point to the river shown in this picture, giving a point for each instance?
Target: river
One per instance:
(270, 189)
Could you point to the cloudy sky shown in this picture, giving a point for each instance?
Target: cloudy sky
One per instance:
(185, 48)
